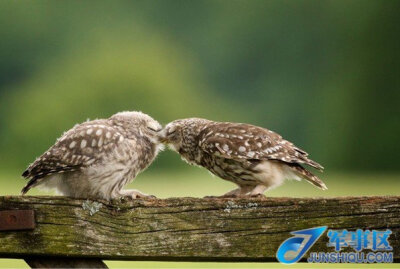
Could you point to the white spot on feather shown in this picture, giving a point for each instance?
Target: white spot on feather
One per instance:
(72, 145)
(100, 143)
(83, 143)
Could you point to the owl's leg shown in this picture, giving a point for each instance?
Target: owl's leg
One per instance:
(135, 194)
(258, 191)
(239, 192)
(230, 194)
(233, 193)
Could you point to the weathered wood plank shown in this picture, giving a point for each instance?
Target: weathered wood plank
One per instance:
(188, 228)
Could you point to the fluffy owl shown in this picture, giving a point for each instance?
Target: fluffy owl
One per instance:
(254, 158)
(96, 159)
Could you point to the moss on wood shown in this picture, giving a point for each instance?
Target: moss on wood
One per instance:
(188, 228)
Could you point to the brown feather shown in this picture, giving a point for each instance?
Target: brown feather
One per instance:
(307, 175)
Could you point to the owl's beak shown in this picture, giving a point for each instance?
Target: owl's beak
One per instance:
(163, 140)
(162, 136)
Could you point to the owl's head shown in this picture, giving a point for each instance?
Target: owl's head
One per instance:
(138, 122)
(182, 131)
(172, 134)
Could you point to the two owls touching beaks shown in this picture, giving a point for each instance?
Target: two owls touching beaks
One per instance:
(96, 159)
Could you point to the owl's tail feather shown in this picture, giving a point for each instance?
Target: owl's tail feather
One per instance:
(307, 175)
(26, 173)
(315, 165)
(32, 182)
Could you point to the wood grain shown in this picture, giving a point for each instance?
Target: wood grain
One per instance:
(188, 229)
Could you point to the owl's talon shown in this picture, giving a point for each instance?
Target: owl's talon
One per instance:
(145, 196)
(232, 194)
(258, 195)
(150, 197)
(135, 194)
(229, 195)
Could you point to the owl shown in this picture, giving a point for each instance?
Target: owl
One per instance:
(254, 158)
(96, 159)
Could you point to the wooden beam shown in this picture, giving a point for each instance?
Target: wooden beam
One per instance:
(187, 229)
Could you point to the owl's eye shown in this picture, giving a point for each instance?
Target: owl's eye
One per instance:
(152, 129)
(171, 131)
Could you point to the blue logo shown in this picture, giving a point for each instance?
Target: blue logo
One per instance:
(294, 248)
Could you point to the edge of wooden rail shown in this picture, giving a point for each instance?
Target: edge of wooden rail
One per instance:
(187, 229)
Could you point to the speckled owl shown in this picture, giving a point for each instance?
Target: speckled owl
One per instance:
(254, 158)
(96, 159)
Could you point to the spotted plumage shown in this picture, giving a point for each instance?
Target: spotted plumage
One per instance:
(96, 159)
(254, 158)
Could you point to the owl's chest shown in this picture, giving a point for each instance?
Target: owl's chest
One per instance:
(146, 154)
(134, 154)
(191, 153)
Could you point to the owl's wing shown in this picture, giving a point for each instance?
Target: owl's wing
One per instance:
(245, 141)
(79, 147)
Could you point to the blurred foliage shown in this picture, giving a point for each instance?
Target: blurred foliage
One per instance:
(324, 74)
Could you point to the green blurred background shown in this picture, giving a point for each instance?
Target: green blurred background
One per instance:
(324, 74)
